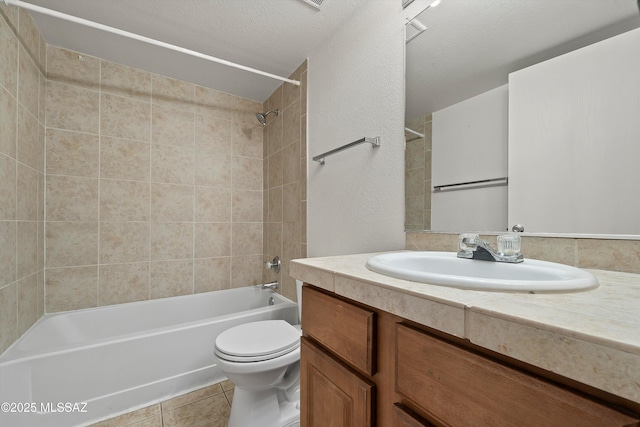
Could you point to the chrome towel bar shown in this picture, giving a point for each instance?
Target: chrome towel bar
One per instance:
(375, 142)
(472, 184)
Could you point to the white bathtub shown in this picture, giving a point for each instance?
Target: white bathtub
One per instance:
(79, 367)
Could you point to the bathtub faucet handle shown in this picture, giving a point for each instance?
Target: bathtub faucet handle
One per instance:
(274, 264)
(273, 285)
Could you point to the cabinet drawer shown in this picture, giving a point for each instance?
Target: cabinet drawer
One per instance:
(343, 328)
(404, 417)
(457, 387)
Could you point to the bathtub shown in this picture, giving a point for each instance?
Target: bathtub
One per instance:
(80, 367)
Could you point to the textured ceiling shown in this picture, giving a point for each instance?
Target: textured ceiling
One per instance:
(274, 36)
(469, 47)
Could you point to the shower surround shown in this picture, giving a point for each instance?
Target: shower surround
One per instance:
(154, 187)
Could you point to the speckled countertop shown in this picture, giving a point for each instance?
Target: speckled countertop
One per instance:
(592, 337)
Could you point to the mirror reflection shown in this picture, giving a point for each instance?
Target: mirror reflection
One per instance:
(459, 56)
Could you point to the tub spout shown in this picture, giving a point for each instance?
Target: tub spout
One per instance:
(273, 285)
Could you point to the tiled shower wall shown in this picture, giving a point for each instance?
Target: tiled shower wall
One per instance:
(417, 174)
(21, 174)
(285, 178)
(153, 186)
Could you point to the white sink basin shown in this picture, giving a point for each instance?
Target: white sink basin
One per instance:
(446, 269)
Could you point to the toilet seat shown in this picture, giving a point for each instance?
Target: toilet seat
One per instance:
(257, 341)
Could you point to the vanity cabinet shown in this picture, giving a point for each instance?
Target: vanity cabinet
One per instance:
(363, 367)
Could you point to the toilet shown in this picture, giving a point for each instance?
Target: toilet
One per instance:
(262, 359)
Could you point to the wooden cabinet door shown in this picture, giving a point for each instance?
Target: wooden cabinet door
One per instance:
(331, 394)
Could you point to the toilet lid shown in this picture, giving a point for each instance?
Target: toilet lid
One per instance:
(256, 341)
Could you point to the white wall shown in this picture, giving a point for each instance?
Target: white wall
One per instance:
(469, 143)
(356, 89)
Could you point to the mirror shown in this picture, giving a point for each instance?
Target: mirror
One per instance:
(468, 48)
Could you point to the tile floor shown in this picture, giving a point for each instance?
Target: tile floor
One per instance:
(206, 407)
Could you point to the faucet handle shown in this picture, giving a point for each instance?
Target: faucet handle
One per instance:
(468, 241)
(509, 244)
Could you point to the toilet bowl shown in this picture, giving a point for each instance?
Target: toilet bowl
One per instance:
(262, 359)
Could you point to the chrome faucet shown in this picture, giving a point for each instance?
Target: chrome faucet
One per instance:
(273, 285)
(472, 247)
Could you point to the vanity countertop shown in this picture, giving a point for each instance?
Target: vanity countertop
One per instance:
(592, 337)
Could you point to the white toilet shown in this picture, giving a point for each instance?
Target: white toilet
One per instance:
(262, 359)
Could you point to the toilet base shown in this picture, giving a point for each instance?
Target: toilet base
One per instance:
(262, 409)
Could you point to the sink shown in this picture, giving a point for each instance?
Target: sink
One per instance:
(446, 269)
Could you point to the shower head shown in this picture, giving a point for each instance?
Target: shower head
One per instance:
(262, 117)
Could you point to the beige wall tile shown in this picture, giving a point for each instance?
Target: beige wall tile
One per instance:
(71, 288)
(126, 81)
(246, 239)
(72, 153)
(414, 182)
(8, 314)
(8, 59)
(291, 202)
(171, 240)
(291, 124)
(120, 283)
(8, 254)
(550, 249)
(173, 93)
(211, 274)
(30, 143)
(122, 242)
(72, 108)
(171, 278)
(27, 196)
(71, 244)
(124, 200)
(616, 255)
(212, 169)
(246, 270)
(212, 204)
(29, 33)
(72, 198)
(170, 202)
(27, 302)
(171, 164)
(213, 133)
(275, 100)
(244, 110)
(212, 240)
(125, 118)
(274, 242)
(73, 68)
(26, 248)
(246, 173)
(291, 93)
(210, 102)
(172, 126)
(291, 163)
(276, 170)
(125, 159)
(247, 140)
(8, 123)
(28, 83)
(274, 132)
(8, 188)
(275, 204)
(247, 206)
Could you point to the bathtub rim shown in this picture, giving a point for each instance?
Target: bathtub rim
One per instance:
(24, 356)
